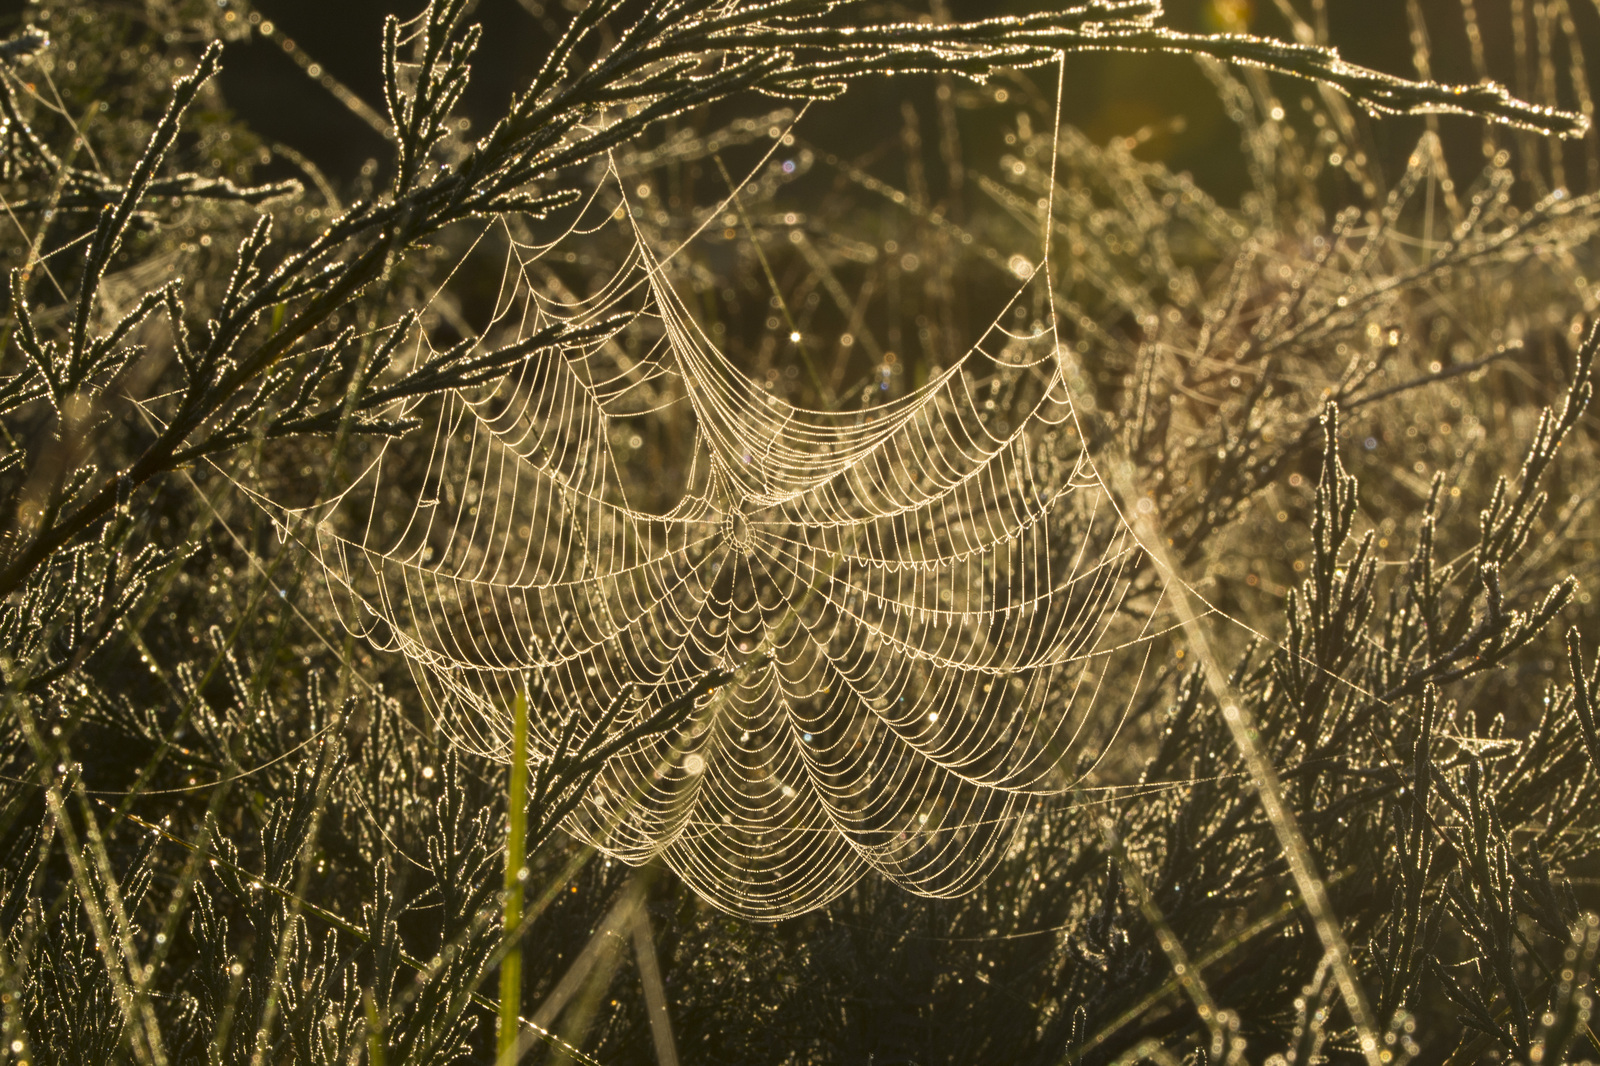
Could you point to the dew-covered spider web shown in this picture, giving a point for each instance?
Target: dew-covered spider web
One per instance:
(919, 598)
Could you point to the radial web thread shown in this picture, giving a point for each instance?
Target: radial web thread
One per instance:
(920, 598)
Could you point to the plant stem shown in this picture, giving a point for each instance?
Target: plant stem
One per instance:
(516, 840)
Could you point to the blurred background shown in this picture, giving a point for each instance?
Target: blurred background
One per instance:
(1165, 98)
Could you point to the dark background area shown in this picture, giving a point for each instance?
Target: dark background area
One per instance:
(1106, 95)
(265, 81)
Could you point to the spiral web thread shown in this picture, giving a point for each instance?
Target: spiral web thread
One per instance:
(921, 598)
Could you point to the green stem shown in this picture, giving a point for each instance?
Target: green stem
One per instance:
(516, 841)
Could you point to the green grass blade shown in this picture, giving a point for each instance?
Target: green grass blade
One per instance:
(516, 842)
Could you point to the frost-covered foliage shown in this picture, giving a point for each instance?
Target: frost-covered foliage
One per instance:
(1351, 807)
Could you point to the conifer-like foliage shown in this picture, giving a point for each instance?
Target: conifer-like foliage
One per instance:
(1345, 807)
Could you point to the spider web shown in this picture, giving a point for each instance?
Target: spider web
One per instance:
(920, 599)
